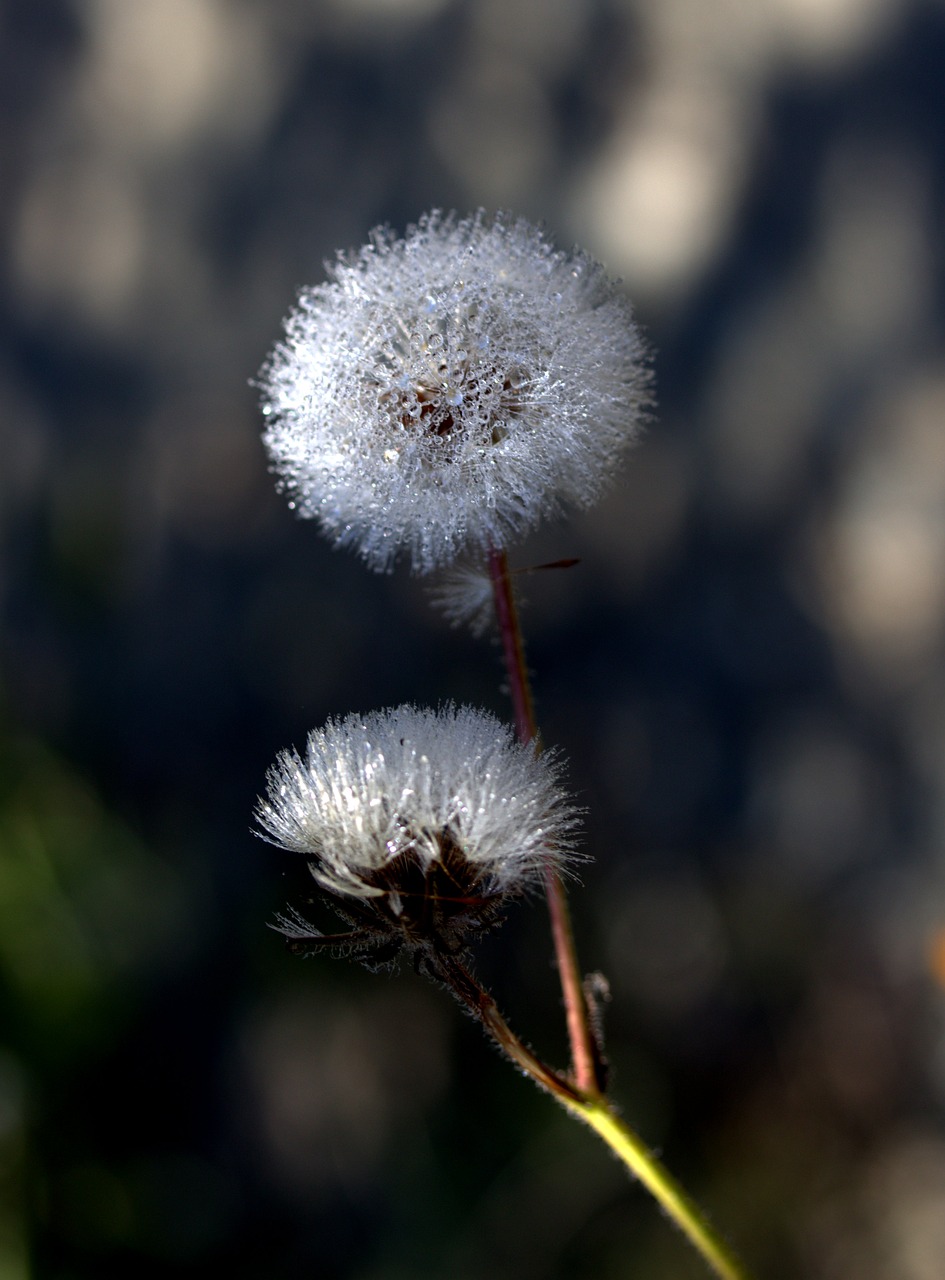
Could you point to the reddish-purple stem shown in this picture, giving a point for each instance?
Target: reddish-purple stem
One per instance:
(583, 1057)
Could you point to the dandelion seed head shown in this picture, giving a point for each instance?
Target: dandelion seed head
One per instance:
(418, 825)
(445, 391)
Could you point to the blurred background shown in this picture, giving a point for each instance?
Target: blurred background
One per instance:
(745, 671)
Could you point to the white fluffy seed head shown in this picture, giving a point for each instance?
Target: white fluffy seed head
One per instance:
(409, 781)
(446, 391)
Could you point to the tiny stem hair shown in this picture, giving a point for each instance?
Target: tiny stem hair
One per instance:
(585, 1098)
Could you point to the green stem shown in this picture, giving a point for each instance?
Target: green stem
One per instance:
(598, 1113)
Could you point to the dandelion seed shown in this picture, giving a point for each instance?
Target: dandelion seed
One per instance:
(446, 391)
(464, 596)
(418, 825)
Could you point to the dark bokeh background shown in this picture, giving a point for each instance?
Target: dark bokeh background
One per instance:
(745, 671)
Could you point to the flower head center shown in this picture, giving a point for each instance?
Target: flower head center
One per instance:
(439, 901)
(436, 417)
(459, 403)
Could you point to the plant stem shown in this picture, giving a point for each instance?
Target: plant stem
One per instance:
(584, 1057)
(485, 1010)
(583, 1098)
(513, 648)
(598, 1113)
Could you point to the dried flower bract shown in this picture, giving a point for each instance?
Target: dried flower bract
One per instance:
(446, 391)
(418, 826)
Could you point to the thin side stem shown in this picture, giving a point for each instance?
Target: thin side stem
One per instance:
(596, 1112)
(583, 1055)
(485, 1010)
